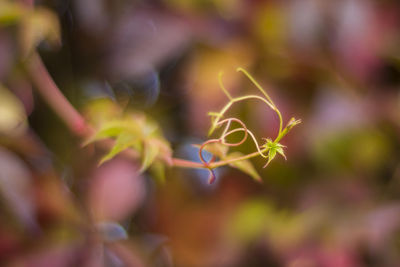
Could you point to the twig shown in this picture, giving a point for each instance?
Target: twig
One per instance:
(45, 85)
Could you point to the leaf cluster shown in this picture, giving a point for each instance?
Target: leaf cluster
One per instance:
(140, 134)
(33, 24)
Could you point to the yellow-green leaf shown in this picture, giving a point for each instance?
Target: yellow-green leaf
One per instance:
(134, 131)
(114, 129)
(244, 165)
(164, 148)
(101, 110)
(150, 151)
(124, 141)
(12, 114)
(281, 151)
(271, 154)
(157, 170)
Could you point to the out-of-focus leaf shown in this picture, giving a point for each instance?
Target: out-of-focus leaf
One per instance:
(12, 114)
(157, 170)
(134, 131)
(115, 128)
(249, 221)
(10, 12)
(124, 140)
(111, 231)
(101, 110)
(216, 149)
(367, 149)
(271, 24)
(38, 25)
(150, 151)
(258, 218)
(244, 165)
(165, 151)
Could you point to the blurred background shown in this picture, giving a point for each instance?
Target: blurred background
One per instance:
(334, 202)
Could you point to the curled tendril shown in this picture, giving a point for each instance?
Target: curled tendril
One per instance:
(222, 140)
(225, 134)
(218, 121)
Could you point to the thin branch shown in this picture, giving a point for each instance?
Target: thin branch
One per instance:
(183, 163)
(256, 84)
(228, 161)
(265, 94)
(45, 85)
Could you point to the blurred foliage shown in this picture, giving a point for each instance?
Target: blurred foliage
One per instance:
(12, 114)
(133, 131)
(34, 25)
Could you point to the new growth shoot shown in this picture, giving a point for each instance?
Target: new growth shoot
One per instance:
(268, 149)
(143, 136)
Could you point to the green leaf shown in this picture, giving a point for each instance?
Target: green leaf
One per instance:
(124, 141)
(138, 132)
(165, 151)
(273, 149)
(157, 170)
(114, 129)
(12, 114)
(150, 151)
(101, 110)
(271, 155)
(244, 165)
(280, 151)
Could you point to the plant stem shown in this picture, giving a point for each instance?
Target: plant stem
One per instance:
(55, 99)
(227, 161)
(270, 104)
(182, 163)
(238, 99)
